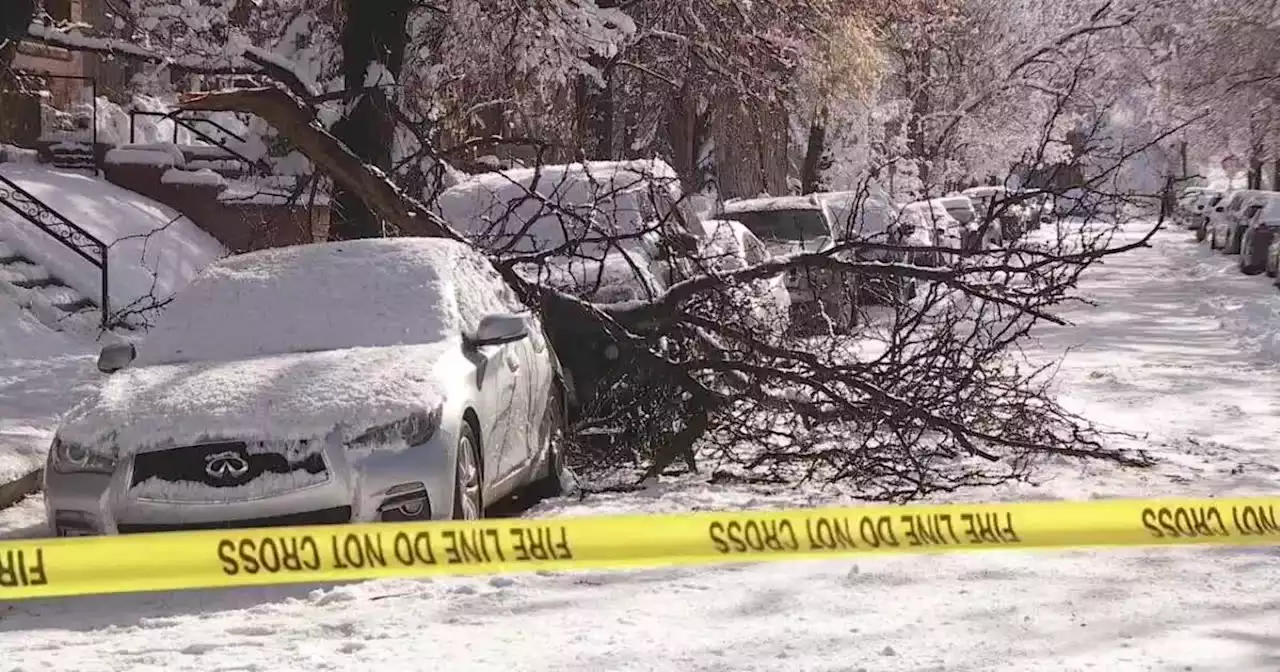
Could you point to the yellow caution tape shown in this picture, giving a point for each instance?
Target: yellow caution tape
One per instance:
(247, 557)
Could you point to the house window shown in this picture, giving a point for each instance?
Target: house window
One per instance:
(58, 10)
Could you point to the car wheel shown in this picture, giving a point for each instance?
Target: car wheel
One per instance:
(468, 500)
(555, 482)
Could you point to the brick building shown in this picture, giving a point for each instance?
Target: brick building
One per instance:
(74, 77)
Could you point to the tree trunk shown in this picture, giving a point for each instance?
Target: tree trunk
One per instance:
(596, 106)
(1275, 175)
(1255, 172)
(375, 33)
(918, 129)
(596, 113)
(814, 155)
(682, 135)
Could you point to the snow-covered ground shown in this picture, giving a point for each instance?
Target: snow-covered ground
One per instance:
(42, 374)
(154, 250)
(1181, 351)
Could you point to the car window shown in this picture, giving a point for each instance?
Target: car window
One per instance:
(481, 291)
(785, 224)
(754, 250)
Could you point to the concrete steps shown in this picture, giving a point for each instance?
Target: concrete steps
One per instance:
(54, 303)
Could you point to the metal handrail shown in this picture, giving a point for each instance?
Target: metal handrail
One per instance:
(186, 122)
(40, 214)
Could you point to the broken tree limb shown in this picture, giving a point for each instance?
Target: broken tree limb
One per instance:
(293, 119)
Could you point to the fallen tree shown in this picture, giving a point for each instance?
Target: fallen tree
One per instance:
(900, 399)
(942, 404)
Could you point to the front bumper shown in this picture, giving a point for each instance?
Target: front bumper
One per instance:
(359, 485)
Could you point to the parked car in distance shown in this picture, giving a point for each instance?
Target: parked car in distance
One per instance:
(1200, 209)
(943, 230)
(868, 214)
(1260, 231)
(735, 247)
(390, 379)
(1016, 211)
(796, 224)
(978, 232)
(607, 231)
(1225, 219)
(1182, 207)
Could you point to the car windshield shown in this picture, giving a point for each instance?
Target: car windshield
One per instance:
(784, 224)
(312, 298)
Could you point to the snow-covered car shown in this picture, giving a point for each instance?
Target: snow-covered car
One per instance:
(1261, 222)
(374, 380)
(1226, 222)
(735, 248)
(1184, 207)
(866, 215)
(1015, 210)
(977, 233)
(1201, 210)
(1245, 218)
(798, 224)
(943, 230)
(606, 231)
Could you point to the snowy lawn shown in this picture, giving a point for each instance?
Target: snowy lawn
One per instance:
(154, 251)
(1181, 350)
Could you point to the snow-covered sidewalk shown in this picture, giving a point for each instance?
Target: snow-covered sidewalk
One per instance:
(42, 374)
(1181, 350)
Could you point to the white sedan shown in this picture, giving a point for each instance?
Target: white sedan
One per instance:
(373, 380)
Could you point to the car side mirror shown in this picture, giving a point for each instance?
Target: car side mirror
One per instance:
(116, 356)
(498, 329)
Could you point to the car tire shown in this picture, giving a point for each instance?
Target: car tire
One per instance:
(555, 482)
(468, 491)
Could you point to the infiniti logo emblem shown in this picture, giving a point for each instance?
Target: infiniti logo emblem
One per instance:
(227, 465)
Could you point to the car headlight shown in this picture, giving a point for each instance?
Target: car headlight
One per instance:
(414, 430)
(69, 458)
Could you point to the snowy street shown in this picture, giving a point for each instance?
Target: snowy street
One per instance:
(1181, 352)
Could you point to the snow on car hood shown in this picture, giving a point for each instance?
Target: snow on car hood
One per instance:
(618, 277)
(286, 397)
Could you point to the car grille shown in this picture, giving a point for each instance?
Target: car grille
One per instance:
(335, 516)
(218, 465)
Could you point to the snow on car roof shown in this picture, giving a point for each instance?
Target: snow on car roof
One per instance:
(324, 296)
(876, 211)
(771, 204)
(985, 191)
(955, 202)
(593, 200)
(933, 208)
